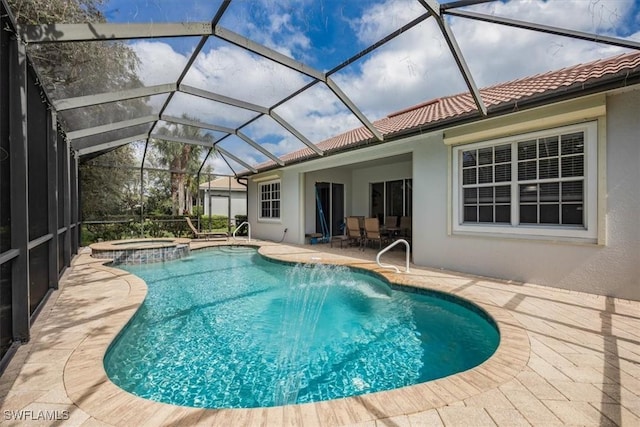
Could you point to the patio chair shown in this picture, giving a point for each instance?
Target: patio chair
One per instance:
(206, 234)
(354, 232)
(372, 232)
(405, 227)
(391, 221)
(391, 228)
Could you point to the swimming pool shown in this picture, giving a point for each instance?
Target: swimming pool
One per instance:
(227, 328)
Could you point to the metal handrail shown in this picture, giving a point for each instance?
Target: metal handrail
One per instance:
(406, 244)
(239, 227)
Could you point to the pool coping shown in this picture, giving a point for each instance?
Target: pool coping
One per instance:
(116, 245)
(89, 388)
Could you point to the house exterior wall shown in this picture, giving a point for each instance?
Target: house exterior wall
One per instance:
(363, 177)
(332, 175)
(291, 209)
(220, 203)
(609, 267)
(612, 269)
(298, 201)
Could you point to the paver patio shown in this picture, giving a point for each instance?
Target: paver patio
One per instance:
(565, 358)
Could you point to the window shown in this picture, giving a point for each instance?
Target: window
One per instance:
(542, 184)
(391, 198)
(270, 200)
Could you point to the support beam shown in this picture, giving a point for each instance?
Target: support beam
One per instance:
(197, 124)
(192, 59)
(580, 35)
(19, 165)
(229, 165)
(380, 42)
(462, 3)
(266, 52)
(66, 200)
(181, 140)
(52, 196)
(50, 33)
(204, 160)
(82, 133)
(288, 62)
(434, 7)
(352, 107)
(103, 98)
(222, 99)
(113, 144)
(76, 218)
(260, 148)
(235, 159)
(295, 133)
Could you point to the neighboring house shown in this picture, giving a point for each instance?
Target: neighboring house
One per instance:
(224, 196)
(545, 189)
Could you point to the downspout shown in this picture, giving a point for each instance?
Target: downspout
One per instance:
(246, 199)
(209, 199)
(198, 200)
(144, 157)
(229, 207)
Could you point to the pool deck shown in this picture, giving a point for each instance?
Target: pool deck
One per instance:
(565, 358)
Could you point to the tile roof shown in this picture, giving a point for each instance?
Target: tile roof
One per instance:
(438, 111)
(222, 183)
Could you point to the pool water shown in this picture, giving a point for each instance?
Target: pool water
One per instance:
(227, 328)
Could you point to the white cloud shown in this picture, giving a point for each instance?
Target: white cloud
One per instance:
(239, 74)
(382, 19)
(276, 30)
(318, 114)
(159, 62)
(596, 16)
(415, 67)
(219, 166)
(516, 53)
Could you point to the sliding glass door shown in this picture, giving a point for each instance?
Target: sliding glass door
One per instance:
(391, 198)
(329, 207)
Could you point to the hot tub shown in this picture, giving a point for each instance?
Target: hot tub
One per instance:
(141, 251)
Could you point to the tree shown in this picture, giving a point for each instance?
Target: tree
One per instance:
(77, 68)
(109, 184)
(82, 68)
(183, 161)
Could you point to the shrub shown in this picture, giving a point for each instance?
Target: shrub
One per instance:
(215, 222)
(239, 220)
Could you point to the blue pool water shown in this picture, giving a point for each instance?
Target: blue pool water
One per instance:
(226, 328)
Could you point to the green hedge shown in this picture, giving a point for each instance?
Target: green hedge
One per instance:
(239, 220)
(215, 222)
(155, 226)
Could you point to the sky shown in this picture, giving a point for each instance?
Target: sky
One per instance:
(413, 68)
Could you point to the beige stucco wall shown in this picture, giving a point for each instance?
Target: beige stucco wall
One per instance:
(291, 209)
(363, 177)
(612, 268)
(220, 204)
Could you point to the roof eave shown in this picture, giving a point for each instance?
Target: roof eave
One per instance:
(608, 83)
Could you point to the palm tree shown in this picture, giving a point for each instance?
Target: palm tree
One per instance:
(182, 160)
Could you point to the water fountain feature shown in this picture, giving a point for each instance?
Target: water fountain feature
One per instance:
(308, 291)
